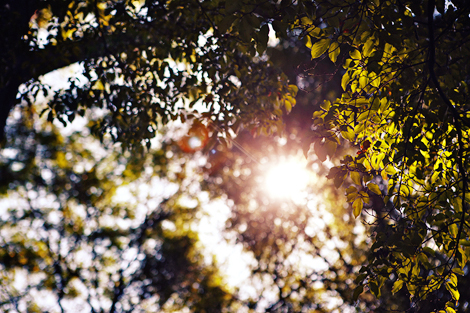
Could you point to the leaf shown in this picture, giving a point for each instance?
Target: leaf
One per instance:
(357, 207)
(348, 134)
(288, 106)
(453, 280)
(320, 151)
(232, 6)
(320, 47)
(450, 310)
(351, 189)
(306, 147)
(374, 188)
(245, 29)
(356, 178)
(334, 51)
(293, 89)
(458, 271)
(374, 289)
(453, 230)
(279, 27)
(453, 291)
(225, 23)
(345, 81)
(357, 291)
(368, 46)
(355, 54)
(397, 286)
(359, 128)
(330, 147)
(363, 81)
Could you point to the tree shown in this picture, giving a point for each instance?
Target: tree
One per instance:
(405, 106)
(73, 240)
(402, 70)
(147, 60)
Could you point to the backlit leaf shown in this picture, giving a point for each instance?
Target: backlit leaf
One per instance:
(356, 178)
(453, 291)
(357, 207)
(374, 188)
(397, 286)
(334, 51)
(320, 47)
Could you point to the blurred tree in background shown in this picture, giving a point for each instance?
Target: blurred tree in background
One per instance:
(180, 105)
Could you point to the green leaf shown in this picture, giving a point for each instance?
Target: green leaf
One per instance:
(225, 23)
(357, 291)
(245, 29)
(232, 6)
(279, 27)
(374, 289)
(360, 278)
(263, 36)
(374, 188)
(357, 207)
(320, 47)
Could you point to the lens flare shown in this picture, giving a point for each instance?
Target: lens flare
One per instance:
(286, 179)
(196, 139)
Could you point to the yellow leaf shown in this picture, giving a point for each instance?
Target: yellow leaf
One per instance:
(453, 280)
(356, 178)
(348, 135)
(363, 81)
(334, 51)
(357, 207)
(453, 291)
(454, 230)
(374, 188)
(368, 47)
(345, 81)
(288, 106)
(397, 286)
(98, 85)
(320, 47)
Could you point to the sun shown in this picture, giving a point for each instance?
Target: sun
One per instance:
(287, 179)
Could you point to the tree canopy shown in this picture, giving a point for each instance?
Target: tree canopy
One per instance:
(405, 104)
(374, 93)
